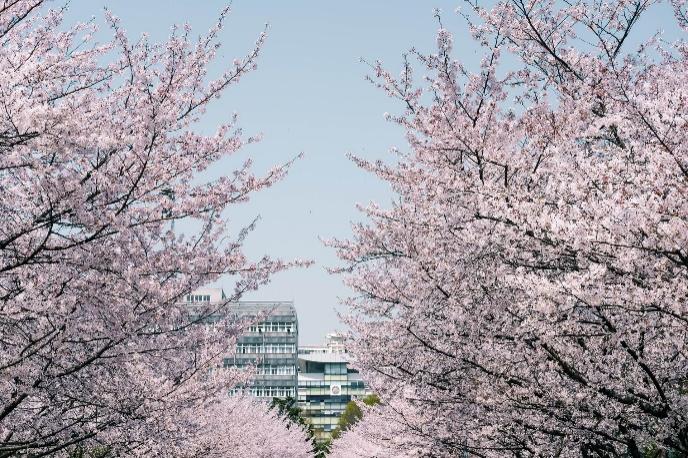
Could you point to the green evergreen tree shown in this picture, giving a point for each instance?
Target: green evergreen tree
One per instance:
(352, 414)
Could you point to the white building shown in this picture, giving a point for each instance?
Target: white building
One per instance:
(326, 384)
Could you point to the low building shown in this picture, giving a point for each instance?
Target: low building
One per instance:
(270, 343)
(326, 385)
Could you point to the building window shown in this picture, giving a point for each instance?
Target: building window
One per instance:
(267, 348)
(272, 391)
(276, 370)
(335, 369)
(272, 326)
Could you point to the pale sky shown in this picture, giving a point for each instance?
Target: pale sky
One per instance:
(307, 96)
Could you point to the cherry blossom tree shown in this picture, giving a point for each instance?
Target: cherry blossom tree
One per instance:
(383, 432)
(526, 294)
(236, 426)
(99, 157)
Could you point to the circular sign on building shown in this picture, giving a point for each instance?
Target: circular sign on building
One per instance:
(335, 390)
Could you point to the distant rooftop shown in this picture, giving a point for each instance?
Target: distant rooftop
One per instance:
(325, 357)
(334, 343)
(206, 296)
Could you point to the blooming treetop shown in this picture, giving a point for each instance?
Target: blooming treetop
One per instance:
(228, 427)
(383, 432)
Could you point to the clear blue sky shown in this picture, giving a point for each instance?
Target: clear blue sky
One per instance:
(308, 96)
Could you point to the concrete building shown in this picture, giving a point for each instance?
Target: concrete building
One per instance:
(327, 384)
(319, 377)
(270, 343)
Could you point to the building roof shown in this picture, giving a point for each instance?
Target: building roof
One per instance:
(271, 307)
(252, 307)
(325, 357)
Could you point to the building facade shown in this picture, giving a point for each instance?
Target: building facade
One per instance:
(270, 343)
(326, 385)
